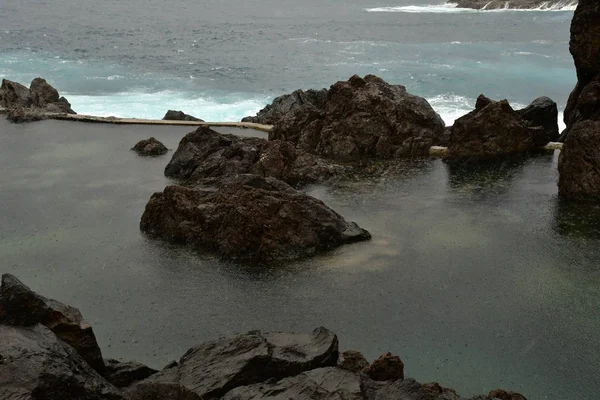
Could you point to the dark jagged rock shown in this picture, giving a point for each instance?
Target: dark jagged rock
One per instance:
(214, 368)
(287, 104)
(579, 162)
(173, 115)
(20, 306)
(352, 361)
(318, 384)
(584, 101)
(123, 374)
(35, 364)
(500, 394)
(31, 104)
(513, 4)
(208, 154)
(386, 368)
(248, 218)
(542, 112)
(435, 391)
(150, 147)
(403, 389)
(362, 118)
(491, 130)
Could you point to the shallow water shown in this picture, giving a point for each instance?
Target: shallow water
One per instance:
(477, 278)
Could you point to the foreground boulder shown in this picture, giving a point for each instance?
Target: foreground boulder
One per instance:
(150, 147)
(206, 153)
(579, 162)
(495, 129)
(173, 115)
(514, 4)
(386, 368)
(36, 364)
(362, 118)
(20, 306)
(248, 218)
(287, 104)
(40, 98)
(123, 374)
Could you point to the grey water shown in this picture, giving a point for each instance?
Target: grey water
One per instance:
(477, 277)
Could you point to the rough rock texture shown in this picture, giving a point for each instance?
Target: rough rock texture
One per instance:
(584, 101)
(212, 369)
(287, 104)
(492, 129)
(123, 374)
(542, 112)
(20, 306)
(495, 4)
(362, 118)
(21, 114)
(206, 153)
(386, 368)
(173, 115)
(36, 365)
(352, 361)
(40, 98)
(248, 218)
(150, 147)
(504, 395)
(579, 162)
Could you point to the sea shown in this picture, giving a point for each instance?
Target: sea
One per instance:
(223, 60)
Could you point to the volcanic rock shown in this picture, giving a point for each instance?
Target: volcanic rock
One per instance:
(288, 104)
(542, 112)
(579, 162)
(40, 98)
(352, 361)
(386, 368)
(123, 374)
(150, 147)
(173, 115)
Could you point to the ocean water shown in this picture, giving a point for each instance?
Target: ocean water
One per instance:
(221, 60)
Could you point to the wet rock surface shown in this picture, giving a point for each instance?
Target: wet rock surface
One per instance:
(206, 153)
(248, 218)
(579, 162)
(150, 148)
(38, 99)
(287, 104)
(543, 113)
(173, 115)
(37, 364)
(362, 118)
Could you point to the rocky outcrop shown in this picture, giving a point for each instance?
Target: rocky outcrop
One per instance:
(205, 154)
(248, 218)
(40, 98)
(579, 161)
(214, 368)
(20, 306)
(494, 128)
(386, 368)
(363, 118)
(123, 374)
(37, 364)
(173, 115)
(150, 147)
(287, 104)
(513, 4)
(352, 361)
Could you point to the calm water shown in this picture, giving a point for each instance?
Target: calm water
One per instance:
(224, 59)
(478, 278)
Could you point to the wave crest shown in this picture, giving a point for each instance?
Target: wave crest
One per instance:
(452, 8)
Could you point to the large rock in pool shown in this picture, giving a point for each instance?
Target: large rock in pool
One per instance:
(248, 218)
(362, 118)
(36, 364)
(214, 368)
(20, 306)
(513, 4)
(543, 113)
(494, 129)
(13, 94)
(288, 104)
(579, 162)
(40, 98)
(150, 148)
(173, 115)
(208, 154)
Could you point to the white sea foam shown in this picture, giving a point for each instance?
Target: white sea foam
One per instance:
(451, 8)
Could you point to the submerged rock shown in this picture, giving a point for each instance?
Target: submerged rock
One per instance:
(36, 364)
(173, 115)
(214, 368)
(287, 104)
(123, 374)
(579, 162)
(514, 4)
(248, 218)
(150, 147)
(39, 99)
(362, 118)
(206, 153)
(21, 306)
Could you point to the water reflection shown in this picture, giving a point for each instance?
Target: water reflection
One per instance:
(577, 218)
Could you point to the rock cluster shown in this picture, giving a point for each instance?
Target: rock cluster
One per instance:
(288, 104)
(31, 103)
(173, 115)
(248, 218)
(40, 363)
(150, 147)
(579, 162)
